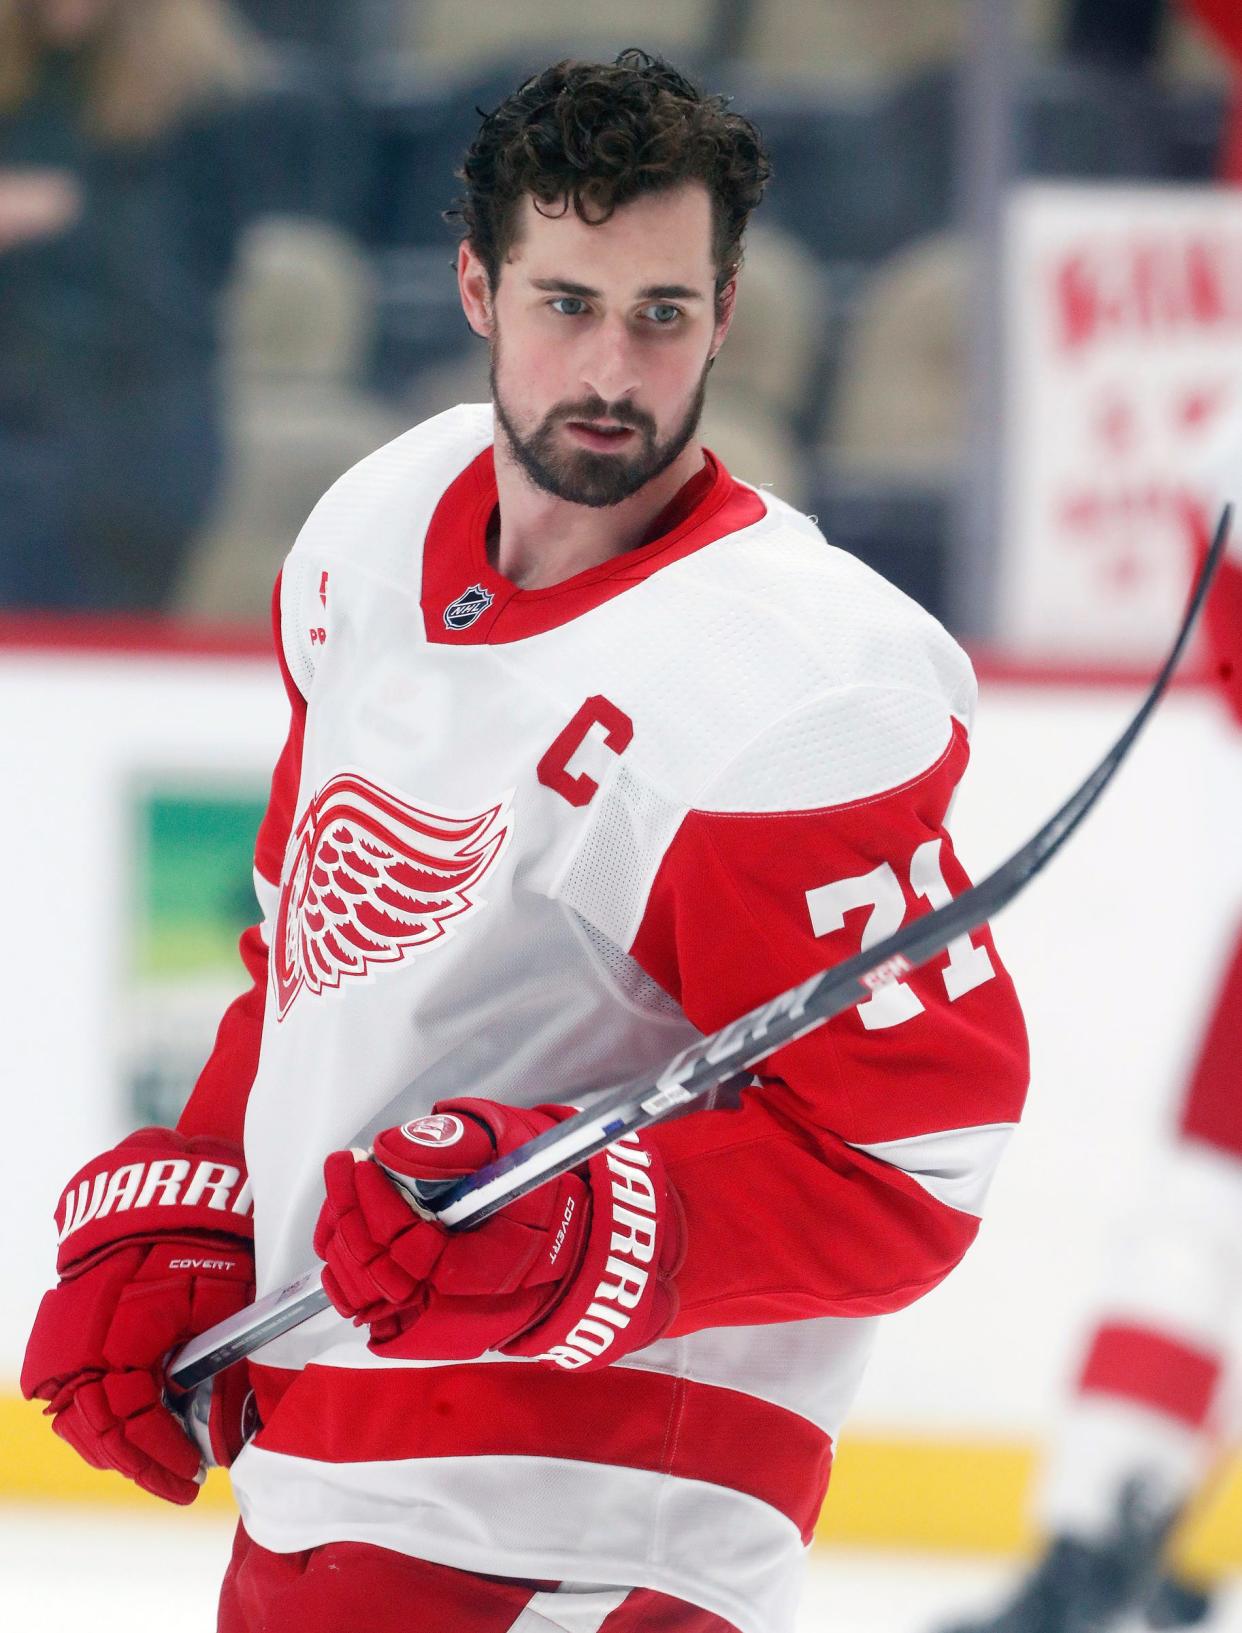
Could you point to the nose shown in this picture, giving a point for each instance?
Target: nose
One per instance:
(609, 367)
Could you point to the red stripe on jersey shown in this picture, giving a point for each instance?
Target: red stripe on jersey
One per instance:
(455, 556)
(1213, 1109)
(620, 1416)
(1147, 1367)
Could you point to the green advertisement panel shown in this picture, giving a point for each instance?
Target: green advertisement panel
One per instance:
(190, 896)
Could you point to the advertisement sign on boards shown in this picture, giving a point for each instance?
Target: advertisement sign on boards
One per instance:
(1123, 358)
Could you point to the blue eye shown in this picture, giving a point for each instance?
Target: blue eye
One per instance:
(662, 314)
(563, 301)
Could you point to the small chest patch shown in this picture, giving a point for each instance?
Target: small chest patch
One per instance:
(469, 606)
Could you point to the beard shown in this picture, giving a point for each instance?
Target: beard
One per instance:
(581, 475)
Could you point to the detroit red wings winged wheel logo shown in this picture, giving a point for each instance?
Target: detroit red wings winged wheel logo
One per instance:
(370, 880)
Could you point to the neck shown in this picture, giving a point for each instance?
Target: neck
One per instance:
(544, 540)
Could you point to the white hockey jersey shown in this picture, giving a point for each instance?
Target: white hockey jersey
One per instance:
(525, 844)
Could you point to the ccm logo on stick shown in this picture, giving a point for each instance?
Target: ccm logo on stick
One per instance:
(553, 770)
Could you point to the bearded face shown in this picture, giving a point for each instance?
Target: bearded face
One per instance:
(591, 452)
(601, 337)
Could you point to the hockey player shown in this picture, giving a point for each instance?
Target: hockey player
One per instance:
(1141, 1427)
(592, 746)
(1142, 1430)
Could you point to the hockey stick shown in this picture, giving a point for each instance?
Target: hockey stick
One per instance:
(704, 1070)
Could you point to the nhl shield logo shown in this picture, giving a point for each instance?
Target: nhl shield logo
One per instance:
(470, 605)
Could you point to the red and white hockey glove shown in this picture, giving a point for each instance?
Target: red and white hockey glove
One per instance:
(578, 1273)
(155, 1246)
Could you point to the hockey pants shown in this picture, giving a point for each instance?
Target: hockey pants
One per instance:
(346, 1587)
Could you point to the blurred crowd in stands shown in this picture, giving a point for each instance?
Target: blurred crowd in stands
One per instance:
(224, 275)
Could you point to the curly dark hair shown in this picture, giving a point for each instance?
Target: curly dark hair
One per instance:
(596, 135)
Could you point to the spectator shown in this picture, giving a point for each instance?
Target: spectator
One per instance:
(122, 143)
(1223, 21)
(1119, 34)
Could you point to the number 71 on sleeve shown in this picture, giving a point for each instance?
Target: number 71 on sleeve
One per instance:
(967, 966)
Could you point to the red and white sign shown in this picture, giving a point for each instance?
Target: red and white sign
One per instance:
(1123, 356)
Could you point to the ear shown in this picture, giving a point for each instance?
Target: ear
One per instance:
(475, 290)
(726, 307)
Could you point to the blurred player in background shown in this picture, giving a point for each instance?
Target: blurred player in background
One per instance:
(121, 197)
(1144, 1428)
(1149, 1418)
(592, 749)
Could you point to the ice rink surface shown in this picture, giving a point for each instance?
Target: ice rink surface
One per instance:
(63, 1570)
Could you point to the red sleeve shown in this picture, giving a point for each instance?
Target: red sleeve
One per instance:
(1222, 612)
(217, 1104)
(1223, 619)
(1223, 19)
(787, 1216)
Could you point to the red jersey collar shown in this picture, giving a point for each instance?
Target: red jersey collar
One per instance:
(466, 602)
